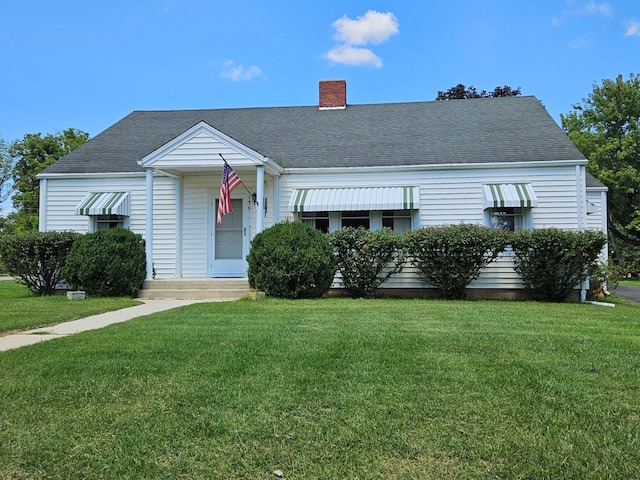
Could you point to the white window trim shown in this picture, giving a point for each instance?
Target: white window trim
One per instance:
(93, 223)
(527, 217)
(375, 219)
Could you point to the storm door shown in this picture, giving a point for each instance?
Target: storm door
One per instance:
(229, 241)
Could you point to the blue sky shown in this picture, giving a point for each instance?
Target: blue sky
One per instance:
(86, 64)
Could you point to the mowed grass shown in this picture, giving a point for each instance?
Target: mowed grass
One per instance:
(630, 282)
(20, 310)
(332, 389)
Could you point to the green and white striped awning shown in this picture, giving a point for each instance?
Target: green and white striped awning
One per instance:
(349, 199)
(104, 203)
(504, 195)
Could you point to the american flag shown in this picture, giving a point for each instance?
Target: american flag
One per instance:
(229, 182)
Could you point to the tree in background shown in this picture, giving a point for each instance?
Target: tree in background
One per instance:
(6, 165)
(606, 129)
(31, 155)
(460, 92)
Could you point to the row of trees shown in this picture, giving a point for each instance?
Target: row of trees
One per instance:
(20, 162)
(460, 92)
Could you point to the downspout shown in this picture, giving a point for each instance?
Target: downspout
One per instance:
(603, 221)
(603, 225)
(581, 197)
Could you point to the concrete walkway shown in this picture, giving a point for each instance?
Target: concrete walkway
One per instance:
(30, 337)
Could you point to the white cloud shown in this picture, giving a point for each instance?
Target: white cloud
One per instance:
(579, 43)
(575, 10)
(373, 27)
(353, 56)
(633, 28)
(598, 8)
(238, 73)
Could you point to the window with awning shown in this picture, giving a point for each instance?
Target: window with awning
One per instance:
(509, 195)
(104, 203)
(354, 199)
(508, 205)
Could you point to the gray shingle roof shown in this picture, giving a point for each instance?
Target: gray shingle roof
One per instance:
(486, 130)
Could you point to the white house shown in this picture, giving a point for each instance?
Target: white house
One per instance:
(500, 162)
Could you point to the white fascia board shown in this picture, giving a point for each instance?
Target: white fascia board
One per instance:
(443, 166)
(102, 175)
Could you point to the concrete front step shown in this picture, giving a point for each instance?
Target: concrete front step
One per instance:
(195, 289)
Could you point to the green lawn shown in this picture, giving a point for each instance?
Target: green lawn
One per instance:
(19, 310)
(630, 282)
(332, 389)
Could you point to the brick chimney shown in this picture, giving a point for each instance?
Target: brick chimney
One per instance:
(333, 94)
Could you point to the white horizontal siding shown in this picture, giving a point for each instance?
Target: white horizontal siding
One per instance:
(453, 196)
(596, 220)
(164, 227)
(63, 196)
(194, 224)
(446, 197)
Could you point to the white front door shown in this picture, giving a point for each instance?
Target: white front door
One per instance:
(229, 241)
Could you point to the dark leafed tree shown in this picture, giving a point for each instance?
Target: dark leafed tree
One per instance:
(460, 92)
(606, 129)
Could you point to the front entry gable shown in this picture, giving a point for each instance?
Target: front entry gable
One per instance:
(200, 148)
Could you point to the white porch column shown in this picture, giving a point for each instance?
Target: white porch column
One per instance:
(260, 198)
(178, 270)
(276, 200)
(149, 217)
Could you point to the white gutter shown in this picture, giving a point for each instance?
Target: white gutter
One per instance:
(102, 175)
(443, 166)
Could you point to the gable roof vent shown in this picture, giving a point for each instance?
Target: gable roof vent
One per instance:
(333, 94)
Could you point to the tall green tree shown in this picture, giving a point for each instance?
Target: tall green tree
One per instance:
(33, 154)
(606, 129)
(6, 165)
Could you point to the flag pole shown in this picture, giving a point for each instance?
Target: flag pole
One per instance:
(253, 195)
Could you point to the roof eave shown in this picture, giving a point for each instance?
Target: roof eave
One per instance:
(433, 166)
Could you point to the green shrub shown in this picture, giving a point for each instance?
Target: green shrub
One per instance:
(451, 257)
(109, 263)
(291, 260)
(366, 258)
(553, 262)
(626, 258)
(36, 259)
